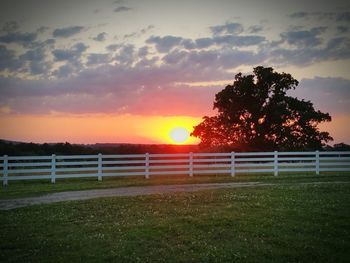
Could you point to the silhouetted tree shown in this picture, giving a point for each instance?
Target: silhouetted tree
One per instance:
(255, 113)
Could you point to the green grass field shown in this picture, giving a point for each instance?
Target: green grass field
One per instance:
(281, 223)
(17, 189)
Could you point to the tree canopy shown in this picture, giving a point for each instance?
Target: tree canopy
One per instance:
(255, 113)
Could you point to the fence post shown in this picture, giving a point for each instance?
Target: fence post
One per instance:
(317, 162)
(191, 164)
(233, 164)
(5, 179)
(147, 166)
(53, 168)
(275, 163)
(99, 167)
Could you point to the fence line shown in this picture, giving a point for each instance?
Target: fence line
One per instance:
(74, 166)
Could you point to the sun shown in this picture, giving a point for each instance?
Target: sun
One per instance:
(179, 135)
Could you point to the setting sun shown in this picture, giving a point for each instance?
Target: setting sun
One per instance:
(179, 134)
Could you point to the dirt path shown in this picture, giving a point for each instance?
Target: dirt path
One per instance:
(128, 191)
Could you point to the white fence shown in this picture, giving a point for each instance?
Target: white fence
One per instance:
(56, 167)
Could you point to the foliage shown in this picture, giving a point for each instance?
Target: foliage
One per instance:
(256, 113)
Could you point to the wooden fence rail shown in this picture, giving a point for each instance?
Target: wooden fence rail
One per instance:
(72, 166)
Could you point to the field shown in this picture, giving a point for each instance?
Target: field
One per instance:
(286, 222)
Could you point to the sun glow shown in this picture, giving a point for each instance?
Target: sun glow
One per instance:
(179, 135)
(89, 128)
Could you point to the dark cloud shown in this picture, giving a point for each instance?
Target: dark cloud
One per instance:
(164, 44)
(39, 67)
(342, 16)
(122, 9)
(67, 31)
(126, 55)
(100, 37)
(343, 29)
(95, 59)
(143, 51)
(42, 29)
(188, 44)
(25, 39)
(10, 26)
(64, 71)
(304, 38)
(239, 41)
(8, 59)
(299, 15)
(228, 28)
(32, 55)
(139, 32)
(211, 60)
(335, 49)
(204, 42)
(72, 58)
(36, 60)
(175, 57)
(113, 47)
(255, 29)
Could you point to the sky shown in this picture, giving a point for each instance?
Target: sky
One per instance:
(129, 71)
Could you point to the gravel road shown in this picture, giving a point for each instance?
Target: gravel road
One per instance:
(127, 191)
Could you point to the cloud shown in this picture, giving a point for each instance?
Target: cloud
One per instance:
(25, 39)
(343, 17)
(143, 51)
(126, 55)
(164, 44)
(64, 71)
(139, 32)
(36, 59)
(340, 16)
(188, 44)
(67, 31)
(239, 41)
(100, 37)
(95, 59)
(113, 47)
(335, 49)
(70, 54)
(204, 42)
(304, 38)
(8, 59)
(228, 28)
(122, 9)
(255, 29)
(114, 88)
(343, 29)
(300, 14)
(10, 26)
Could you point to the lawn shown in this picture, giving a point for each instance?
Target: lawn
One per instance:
(281, 223)
(17, 189)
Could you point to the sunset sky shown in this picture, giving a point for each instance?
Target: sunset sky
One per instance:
(131, 71)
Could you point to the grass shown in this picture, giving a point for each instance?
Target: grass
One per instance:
(281, 223)
(17, 189)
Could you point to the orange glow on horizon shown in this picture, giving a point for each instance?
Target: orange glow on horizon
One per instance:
(96, 128)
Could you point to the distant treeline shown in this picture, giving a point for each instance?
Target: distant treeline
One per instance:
(20, 148)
